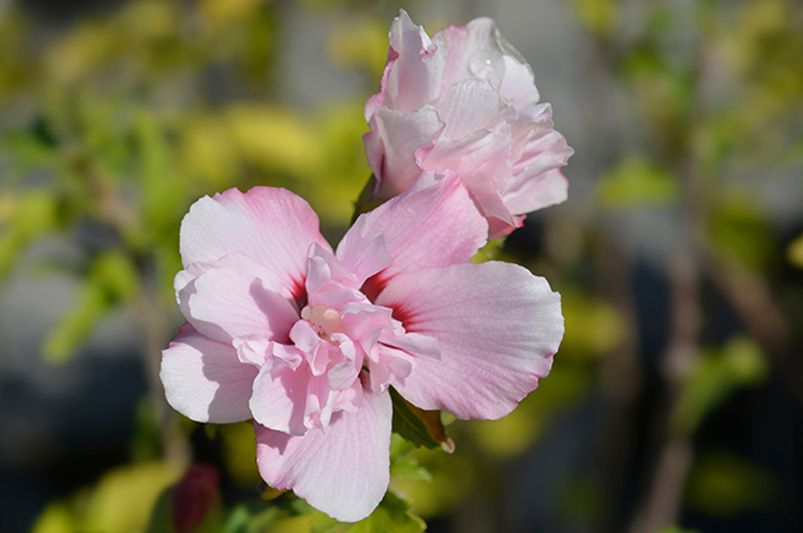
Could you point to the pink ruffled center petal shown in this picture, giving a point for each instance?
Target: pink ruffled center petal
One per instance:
(341, 347)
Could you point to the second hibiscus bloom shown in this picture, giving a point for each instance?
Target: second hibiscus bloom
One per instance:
(465, 101)
(306, 341)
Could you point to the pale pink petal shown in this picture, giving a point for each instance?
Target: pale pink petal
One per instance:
(252, 349)
(240, 263)
(337, 270)
(343, 375)
(469, 106)
(414, 78)
(391, 145)
(225, 304)
(304, 337)
(482, 161)
(426, 227)
(204, 380)
(279, 398)
(548, 189)
(477, 153)
(497, 327)
(545, 150)
(363, 256)
(343, 471)
(471, 51)
(518, 86)
(273, 227)
(498, 228)
(414, 343)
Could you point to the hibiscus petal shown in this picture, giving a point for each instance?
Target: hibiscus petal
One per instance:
(365, 256)
(517, 84)
(550, 188)
(391, 146)
(204, 380)
(469, 106)
(271, 226)
(414, 78)
(471, 51)
(225, 304)
(343, 471)
(279, 398)
(497, 327)
(424, 227)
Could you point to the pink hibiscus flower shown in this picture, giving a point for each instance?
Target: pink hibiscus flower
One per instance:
(465, 101)
(306, 341)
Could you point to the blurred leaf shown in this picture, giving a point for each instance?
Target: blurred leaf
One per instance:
(724, 484)
(363, 42)
(336, 184)
(79, 52)
(77, 324)
(593, 327)
(220, 13)
(393, 514)
(795, 252)
(661, 19)
(738, 231)
(110, 280)
(490, 251)
(422, 428)
(236, 520)
(207, 152)
(146, 443)
(121, 501)
(454, 477)
(163, 191)
(274, 139)
(29, 150)
(56, 518)
(598, 16)
(513, 434)
(23, 219)
(715, 375)
(239, 450)
(403, 461)
(663, 90)
(635, 182)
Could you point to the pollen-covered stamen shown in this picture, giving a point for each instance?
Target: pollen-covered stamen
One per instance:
(324, 320)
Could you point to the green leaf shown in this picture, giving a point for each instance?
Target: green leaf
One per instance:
(23, 219)
(635, 182)
(123, 500)
(110, 281)
(598, 16)
(422, 428)
(405, 464)
(724, 484)
(593, 327)
(490, 251)
(393, 514)
(738, 231)
(795, 252)
(714, 377)
(163, 191)
(76, 325)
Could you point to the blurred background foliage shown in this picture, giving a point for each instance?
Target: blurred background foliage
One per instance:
(675, 401)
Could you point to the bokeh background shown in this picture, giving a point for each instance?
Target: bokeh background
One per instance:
(676, 401)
